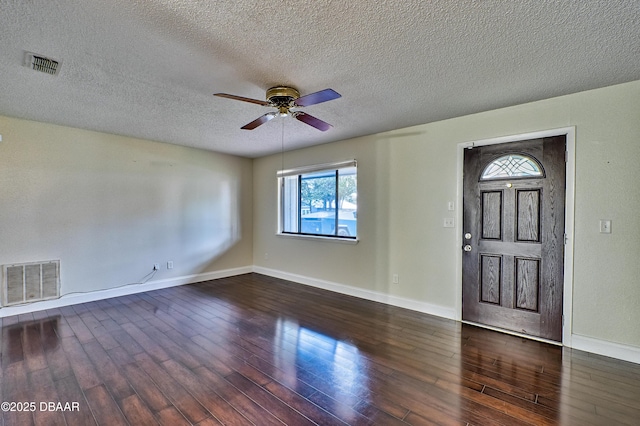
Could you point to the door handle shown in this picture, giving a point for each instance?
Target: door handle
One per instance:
(467, 247)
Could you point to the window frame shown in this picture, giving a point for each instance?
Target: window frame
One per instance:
(299, 171)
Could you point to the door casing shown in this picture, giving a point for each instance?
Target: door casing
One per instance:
(567, 305)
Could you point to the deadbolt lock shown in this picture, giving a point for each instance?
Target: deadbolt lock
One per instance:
(467, 236)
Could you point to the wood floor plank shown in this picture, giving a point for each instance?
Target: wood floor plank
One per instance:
(32, 345)
(221, 409)
(43, 390)
(11, 344)
(210, 421)
(285, 375)
(145, 388)
(191, 408)
(69, 392)
(16, 390)
(108, 371)
(170, 416)
(104, 408)
(152, 348)
(237, 399)
(379, 414)
(136, 412)
(312, 411)
(83, 368)
(340, 409)
(127, 342)
(432, 419)
(80, 330)
(172, 348)
(57, 361)
(252, 349)
(286, 414)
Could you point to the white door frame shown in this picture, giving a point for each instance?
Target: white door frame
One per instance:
(567, 300)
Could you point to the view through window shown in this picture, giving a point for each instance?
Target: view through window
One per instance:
(320, 200)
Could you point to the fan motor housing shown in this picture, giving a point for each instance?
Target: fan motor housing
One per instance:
(282, 95)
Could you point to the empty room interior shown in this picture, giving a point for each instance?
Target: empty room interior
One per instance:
(277, 212)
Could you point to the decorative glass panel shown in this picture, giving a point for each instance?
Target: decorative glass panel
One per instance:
(512, 165)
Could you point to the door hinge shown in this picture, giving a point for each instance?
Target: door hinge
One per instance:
(566, 238)
(566, 156)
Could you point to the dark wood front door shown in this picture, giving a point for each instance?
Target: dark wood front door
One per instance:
(513, 236)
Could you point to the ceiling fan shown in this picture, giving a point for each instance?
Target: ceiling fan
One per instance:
(285, 99)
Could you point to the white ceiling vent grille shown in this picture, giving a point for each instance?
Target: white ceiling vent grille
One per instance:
(30, 282)
(41, 63)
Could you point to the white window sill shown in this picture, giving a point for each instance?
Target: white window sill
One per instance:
(319, 238)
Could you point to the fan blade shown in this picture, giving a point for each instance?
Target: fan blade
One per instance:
(259, 121)
(312, 121)
(317, 97)
(241, 98)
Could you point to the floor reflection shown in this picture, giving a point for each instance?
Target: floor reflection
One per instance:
(510, 368)
(26, 338)
(337, 366)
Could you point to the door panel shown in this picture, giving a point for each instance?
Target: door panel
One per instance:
(528, 215)
(490, 277)
(492, 215)
(527, 283)
(513, 275)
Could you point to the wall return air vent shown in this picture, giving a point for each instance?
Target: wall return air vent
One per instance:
(30, 282)
(41, 63)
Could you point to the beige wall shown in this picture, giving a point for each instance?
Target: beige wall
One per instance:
(109, 207)
(407, 177)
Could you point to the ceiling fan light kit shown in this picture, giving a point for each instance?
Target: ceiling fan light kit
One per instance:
(285, 99)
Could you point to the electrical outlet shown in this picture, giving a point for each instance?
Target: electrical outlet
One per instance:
(156, 266)
(170, 264)
(449, 222)
(266, 256)
(396, 279)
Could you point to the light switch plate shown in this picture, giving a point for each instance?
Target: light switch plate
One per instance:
(605, 226)
(449, 222)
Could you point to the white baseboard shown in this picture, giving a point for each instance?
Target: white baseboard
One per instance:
(602, 347)
(75, 298)
(375, 296)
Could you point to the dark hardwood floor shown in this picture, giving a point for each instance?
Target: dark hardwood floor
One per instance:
(257, 350)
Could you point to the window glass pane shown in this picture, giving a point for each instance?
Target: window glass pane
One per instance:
(290, 204)
(318, 203)
(513, 165)
(347, 202)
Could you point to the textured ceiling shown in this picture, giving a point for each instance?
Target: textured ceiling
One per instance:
(148, 68)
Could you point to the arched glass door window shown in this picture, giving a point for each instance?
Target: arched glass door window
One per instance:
(512, 166)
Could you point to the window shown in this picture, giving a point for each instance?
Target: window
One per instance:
(510, 166)
(320, 200)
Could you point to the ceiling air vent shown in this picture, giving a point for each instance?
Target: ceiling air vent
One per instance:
(41, 63)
